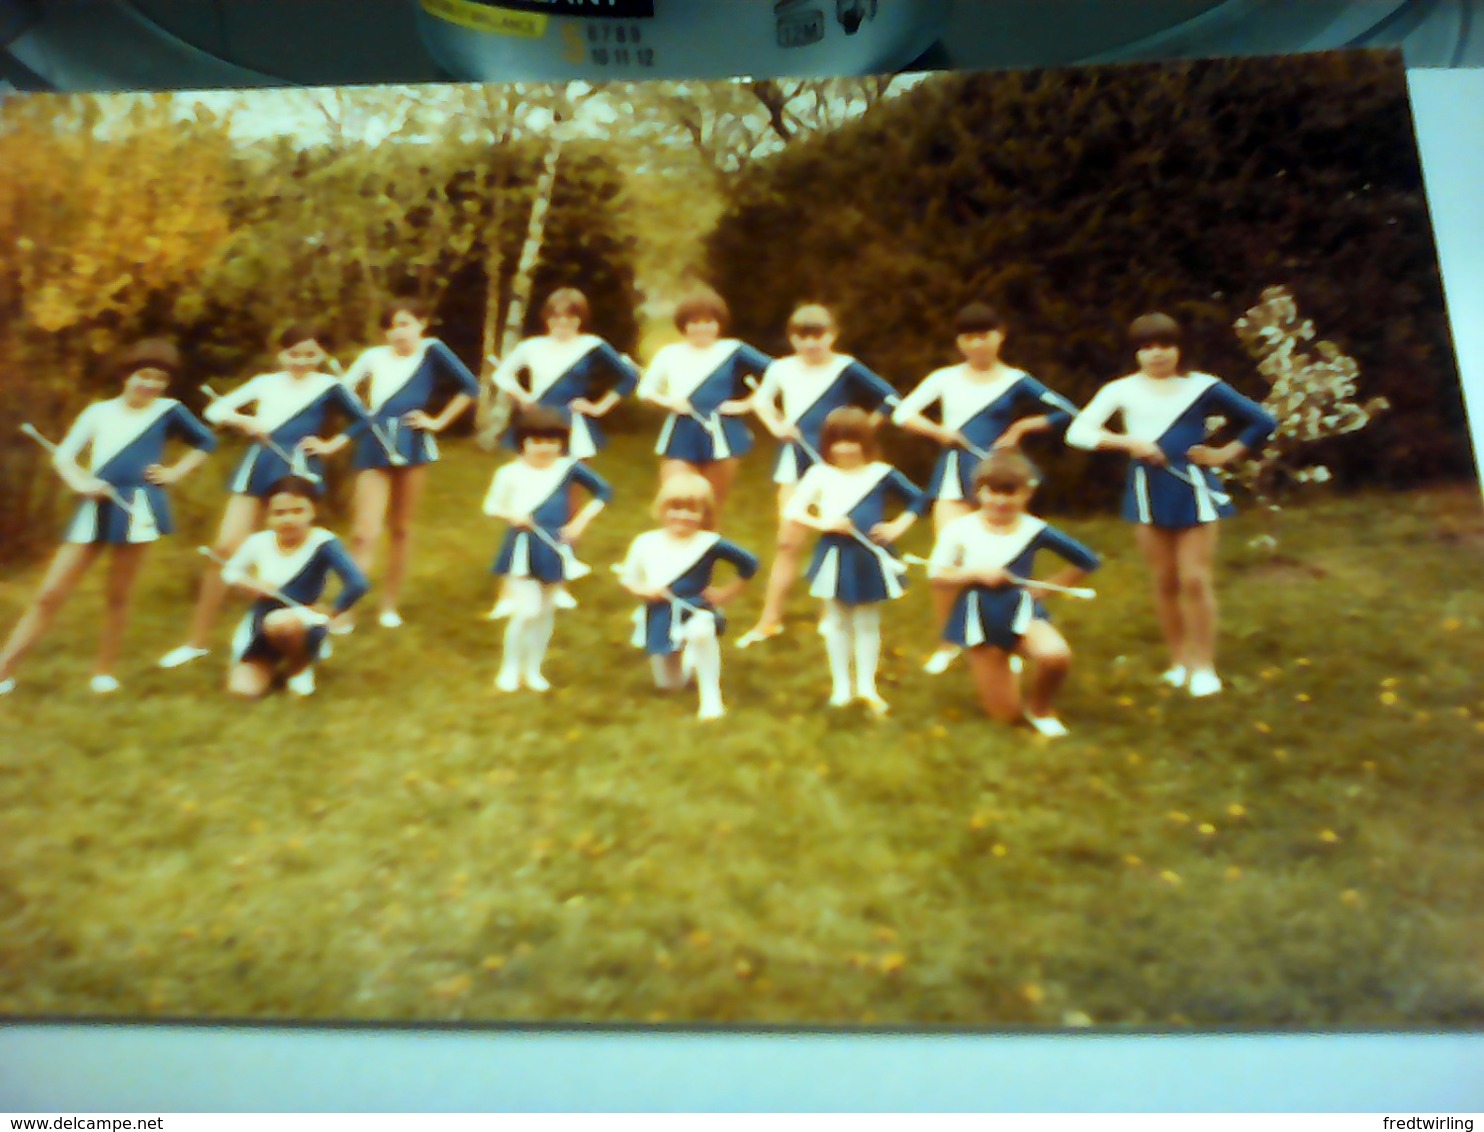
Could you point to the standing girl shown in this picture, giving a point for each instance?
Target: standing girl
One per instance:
(565, 368)
(534, 495)
(289, 410)
(853, 572)
(983, 561)
(124, 505)
(291, 560)
(701, 381)
(670, 570)
(392, 454)
(984, 404)
(1172, 496)
(811, 384)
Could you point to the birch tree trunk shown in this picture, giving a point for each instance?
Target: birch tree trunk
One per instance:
(496, 407)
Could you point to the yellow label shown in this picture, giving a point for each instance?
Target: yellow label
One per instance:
(480, 17)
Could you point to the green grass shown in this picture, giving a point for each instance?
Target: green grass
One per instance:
(408, 846)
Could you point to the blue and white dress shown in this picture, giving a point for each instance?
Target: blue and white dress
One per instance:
(811, 393)
(546, 495)
(300, 574)
(1172, 413)
(999, 616)
(291, 409)
(560, 373)
(704, 379)
(399, 386)
(656, 560)
(844, 569)
(122, 444)
(981, 410)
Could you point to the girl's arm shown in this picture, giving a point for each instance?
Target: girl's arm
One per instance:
(497, 504)
(184, 426)
(359, 371)
(1081, 560)
(506, 377)
(451, 372)
(655, 385)
(353, 583)
(67, 460)
(909, 412)
(223, 410)
(1057, 413)
(803, 505)
(746, 565)
(240, 571)
(750, 362)
(602, 494)
(765, 406)
(947, 566)
(354, 413)
(628, 377)
(1087, 430)
(914, 502)
(635, 579)
(874, 389)
(1258, 424)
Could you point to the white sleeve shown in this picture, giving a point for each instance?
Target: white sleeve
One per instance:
(948, 551)
(632, 570)
(656, 378)
(80, 435)
(1087, 427)
(245, 393)
(928, 390)
(505, 376)
(495, 499)
(360, 369)
(805, 496)
(767, 389)
(239, 567)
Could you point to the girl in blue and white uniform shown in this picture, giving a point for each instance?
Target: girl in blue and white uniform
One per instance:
(125, 440)
(290, 410)
(984, 404)
(670, 570)
(809, 386)
(534, 495)
(702, 382)
(984, 561)
(292, 559)
(853, 570)
(1172, 493)
(566, 370)
(402, 380)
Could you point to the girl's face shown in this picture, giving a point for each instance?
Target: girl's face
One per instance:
(290, 517)
(981, 348)
(681, 519)
(143, 385)
(1159, 359)
(541, 451)
(1004, 504)
(813, 342)
(301, 357)
(702, 332)
(847, 454)
(564, 325)
(405, 332)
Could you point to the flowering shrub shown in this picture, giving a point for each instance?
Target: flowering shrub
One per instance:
(1311, 396)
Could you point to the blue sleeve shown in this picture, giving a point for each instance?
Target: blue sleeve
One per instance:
(628, 376)
(1057, 409)
(913, 498)
(453, 372)
(729, 551)
(595, 484)
(354, 411)
(353, 584)
(872, 387)
(185, 425)
(751, 360)
(1257, 423)
(1065, 546)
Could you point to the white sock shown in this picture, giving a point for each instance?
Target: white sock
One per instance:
(510, 660)
(524, 596)
(834, 627)
(538, 638)
(706, 657)
(867, 629)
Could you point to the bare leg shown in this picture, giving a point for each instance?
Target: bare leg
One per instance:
(1159, 549)
(373, 490)
(1195, 552)
(243, 515)
(407, 487)
(668, 676)
(249, 679)
(1050, 658)
(123, 569)
(781, 574)
(997, 687)
(67, 568)
(720, 474)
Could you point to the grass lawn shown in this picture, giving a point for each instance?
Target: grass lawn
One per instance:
(1299, 851)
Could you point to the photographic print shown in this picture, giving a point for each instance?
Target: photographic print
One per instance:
(973, 550)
